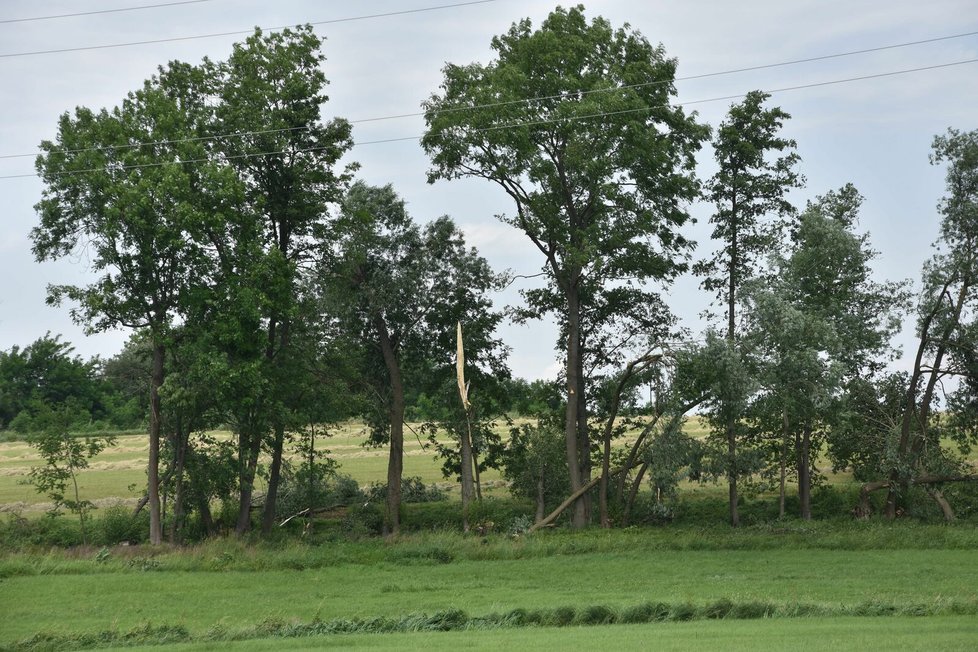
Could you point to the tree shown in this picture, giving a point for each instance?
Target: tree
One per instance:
(756, 171)
(574, 122)
(270, 95)
(400, 290)
(123, 185)
(64, 456)
(948, 337)
(45, 371)
(822, 323)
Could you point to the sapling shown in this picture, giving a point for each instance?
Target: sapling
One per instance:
(64, 456)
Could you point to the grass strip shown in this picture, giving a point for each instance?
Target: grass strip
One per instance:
(458, 620)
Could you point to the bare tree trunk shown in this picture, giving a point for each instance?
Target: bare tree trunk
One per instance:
(541, 501)
(250, 447)
(804, 441)
(153, 470)
(475, 470)
(395, 462)
(579, 517)
(783, 464)
(180, 461)
(468, 490)
(274, 478)
(633, 494)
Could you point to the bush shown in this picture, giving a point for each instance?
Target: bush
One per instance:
(117, 525)
(413, 490)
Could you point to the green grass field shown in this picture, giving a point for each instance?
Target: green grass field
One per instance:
(831, 585)
(949, 634)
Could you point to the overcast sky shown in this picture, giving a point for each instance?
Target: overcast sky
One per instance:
(875, 133)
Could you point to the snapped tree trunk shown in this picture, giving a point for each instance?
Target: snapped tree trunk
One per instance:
(468, 492)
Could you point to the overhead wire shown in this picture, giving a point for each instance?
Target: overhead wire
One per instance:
(490, 105)
(516, 125)
(7, 21)
(172, 39)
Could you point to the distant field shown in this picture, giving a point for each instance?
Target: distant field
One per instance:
(119, 473)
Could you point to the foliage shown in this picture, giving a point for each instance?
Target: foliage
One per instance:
(64, 456)
(573, 121)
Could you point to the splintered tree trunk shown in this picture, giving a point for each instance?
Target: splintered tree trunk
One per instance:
(395, 463)
(153, 471)
(467, 484)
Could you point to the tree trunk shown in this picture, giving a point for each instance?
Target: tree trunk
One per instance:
(804, 442)
(155, 424)
(783, 463)
(633, 494)
(395, 463)
(467, 478)
(569, 501)
(579, 517)
(274, 478)
(541, 500)
(180, 462)
(583, 432)
(732, 470)
(475, 470)
(250, 448)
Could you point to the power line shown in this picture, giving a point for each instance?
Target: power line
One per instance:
(531, 123)
(791, 62)
(7, 21)
(240, 32)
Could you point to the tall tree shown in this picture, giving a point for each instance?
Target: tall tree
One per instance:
(574, 122)
(821, 323)
(271, 91)
(749, 192)
(401, 290)
(948, 336)
(125, 186)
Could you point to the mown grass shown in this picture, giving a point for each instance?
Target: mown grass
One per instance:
(227, 584)
(810, 634)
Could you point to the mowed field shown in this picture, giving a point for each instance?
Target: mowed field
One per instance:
(118, 474)
(830, 585)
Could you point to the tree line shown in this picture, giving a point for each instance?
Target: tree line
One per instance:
(274, 292)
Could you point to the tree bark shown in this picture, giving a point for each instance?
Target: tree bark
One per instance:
(155, 424)
(467, 476)
(248, 450)
(395, 463)
(274, 478)
(579, 517)
(804, 443)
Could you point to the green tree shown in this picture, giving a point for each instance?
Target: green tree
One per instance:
(65, 456)
(749, 192)
(400, 290)
(121, 184)
(823, 323)
(45, 371)
(948, 337)
(270, 92)
(574, 122)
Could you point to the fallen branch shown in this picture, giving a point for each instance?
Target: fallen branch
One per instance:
(570, 499)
